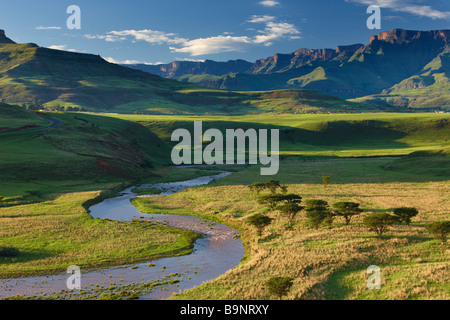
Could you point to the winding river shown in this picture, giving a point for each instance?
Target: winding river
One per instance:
(213, 255)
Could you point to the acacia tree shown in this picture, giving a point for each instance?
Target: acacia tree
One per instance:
(379, 222)
(259, 221)
(347, 210)
(257, 186)
(271, 185)
(270, 200)
(440, 229)
(317, 212)
(279, 286)
(290, 206)
(405, 214)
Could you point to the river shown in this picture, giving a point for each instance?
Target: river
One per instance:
(213, 255)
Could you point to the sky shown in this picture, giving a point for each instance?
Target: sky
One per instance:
(153, 32)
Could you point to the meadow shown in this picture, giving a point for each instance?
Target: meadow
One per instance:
(49, 179)
(328, 263)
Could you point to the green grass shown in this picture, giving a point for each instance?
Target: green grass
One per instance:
(13, 118)
(347, 135)
(54, 234)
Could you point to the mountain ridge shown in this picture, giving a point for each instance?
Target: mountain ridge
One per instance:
(404, 68)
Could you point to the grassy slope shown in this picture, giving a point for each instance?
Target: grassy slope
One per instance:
(327, 134)
(328, 263)
(84, 150)
(49, 177)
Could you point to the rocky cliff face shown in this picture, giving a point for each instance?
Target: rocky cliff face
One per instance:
(4, 38)
(400, 36)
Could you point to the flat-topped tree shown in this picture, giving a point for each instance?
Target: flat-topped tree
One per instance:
(405, 214)
(440, 229)
(259, 221)
(379, 222)
(318, 212)
(347, 210)
(273, 185)
(270, 200)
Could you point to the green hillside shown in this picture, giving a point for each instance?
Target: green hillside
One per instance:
(82, 150)
(360, 134)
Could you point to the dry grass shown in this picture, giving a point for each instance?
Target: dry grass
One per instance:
(330, 263)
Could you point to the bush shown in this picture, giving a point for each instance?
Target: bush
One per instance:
(279, 286)
(440, 230)
(8, 252)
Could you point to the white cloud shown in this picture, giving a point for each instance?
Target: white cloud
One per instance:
(62, 47)
(226, 42)
(112, 60)
(261, 19)
(276, 30)
(47, 28)
(108, 37)
(269, 3)
(273, 31)
(150, 36)
(407, 6)
(212, 45)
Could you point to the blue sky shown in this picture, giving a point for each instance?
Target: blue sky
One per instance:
(164, 31)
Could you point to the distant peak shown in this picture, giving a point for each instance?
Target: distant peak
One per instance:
(4, 38)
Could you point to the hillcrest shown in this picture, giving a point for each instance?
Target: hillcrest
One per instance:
(190, 149)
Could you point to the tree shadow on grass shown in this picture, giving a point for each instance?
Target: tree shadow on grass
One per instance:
(25, 256)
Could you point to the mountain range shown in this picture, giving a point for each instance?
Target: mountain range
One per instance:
(43, 78)
(398, 70)
(401, 68)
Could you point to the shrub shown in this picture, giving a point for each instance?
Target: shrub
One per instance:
(279, 286)
(439, 229)
(326, 180)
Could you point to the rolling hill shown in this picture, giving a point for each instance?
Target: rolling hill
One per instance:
(42, 78)
(402, 68)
